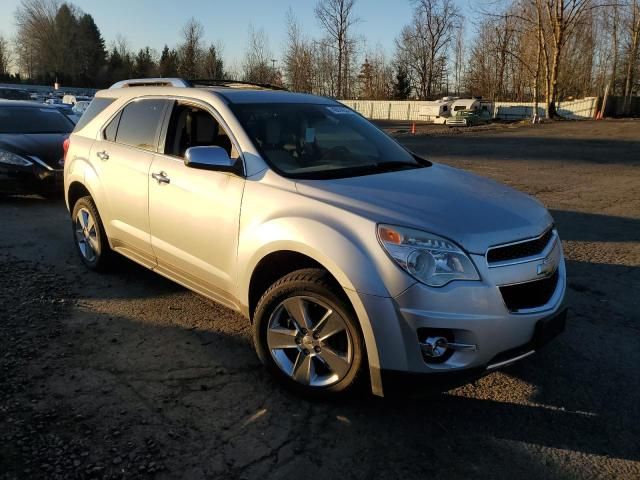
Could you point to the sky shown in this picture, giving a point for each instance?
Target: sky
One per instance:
(154, 23)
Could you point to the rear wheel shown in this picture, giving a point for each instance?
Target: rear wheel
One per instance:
(307, 336)
(89, 235)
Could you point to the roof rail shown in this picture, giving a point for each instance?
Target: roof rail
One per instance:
(182, 83)
(152, 82)
(208, 82)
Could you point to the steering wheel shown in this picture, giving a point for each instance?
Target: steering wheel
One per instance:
(340, 149)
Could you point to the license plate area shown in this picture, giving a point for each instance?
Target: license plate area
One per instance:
(549, 328)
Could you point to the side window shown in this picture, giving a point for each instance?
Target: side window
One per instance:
(96, 106)
(112, 128)
(191, 126)
(139, 122)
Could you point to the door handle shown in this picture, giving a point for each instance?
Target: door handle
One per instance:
(161, 177)
(103, 155)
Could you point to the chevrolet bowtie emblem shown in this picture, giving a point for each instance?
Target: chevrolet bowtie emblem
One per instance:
(546, 267)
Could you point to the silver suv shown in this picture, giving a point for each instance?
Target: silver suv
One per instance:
(353, 258)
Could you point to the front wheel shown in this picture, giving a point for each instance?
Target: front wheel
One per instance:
(89, 235)
(307, 336)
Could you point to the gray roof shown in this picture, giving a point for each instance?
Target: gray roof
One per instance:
(23, 103)
(240, 95)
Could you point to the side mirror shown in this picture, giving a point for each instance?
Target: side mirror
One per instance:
(210, 158)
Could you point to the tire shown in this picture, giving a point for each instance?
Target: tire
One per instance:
(89, 235)
(322, 358)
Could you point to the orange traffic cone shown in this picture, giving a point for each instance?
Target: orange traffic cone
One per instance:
(413, 128)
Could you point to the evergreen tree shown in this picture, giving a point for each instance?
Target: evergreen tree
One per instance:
(145, 66)
(168, 66)
(402, 86)
(91, 55)
(63, 61)
(213, 66)
(366, 80)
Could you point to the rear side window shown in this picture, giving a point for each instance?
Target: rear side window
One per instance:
(139, 123)
(96, 106)
(112, 128)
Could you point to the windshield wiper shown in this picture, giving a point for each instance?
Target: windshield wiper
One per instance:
(391, 165)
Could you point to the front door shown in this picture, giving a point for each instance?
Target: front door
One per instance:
(194, 214)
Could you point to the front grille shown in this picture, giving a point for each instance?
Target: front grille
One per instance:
(519, 250)
(531, 294)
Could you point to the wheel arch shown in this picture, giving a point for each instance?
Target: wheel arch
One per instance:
(273, 266)
(76, 191)
(278, 262)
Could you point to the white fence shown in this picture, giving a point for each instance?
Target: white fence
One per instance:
(575, 109)
(410, 110)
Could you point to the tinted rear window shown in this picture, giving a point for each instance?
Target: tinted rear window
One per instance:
(139, 123)
(33, 120)
(96, 106)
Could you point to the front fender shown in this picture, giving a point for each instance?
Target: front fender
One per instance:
(346, 259)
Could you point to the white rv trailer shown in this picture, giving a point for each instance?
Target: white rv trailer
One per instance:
(437, 111)
(465, 104)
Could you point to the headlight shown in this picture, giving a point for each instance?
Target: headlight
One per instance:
(11, 158)
(431, 259)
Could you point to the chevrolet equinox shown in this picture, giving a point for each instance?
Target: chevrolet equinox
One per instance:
(352, 257)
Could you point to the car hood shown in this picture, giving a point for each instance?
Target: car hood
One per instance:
(472, 211)
(46, 146)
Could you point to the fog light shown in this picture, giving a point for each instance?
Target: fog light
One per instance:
(434, 347)
(438, 349)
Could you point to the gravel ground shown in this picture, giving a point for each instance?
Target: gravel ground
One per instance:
(126, 375)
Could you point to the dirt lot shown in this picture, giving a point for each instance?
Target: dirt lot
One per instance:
(127, 375)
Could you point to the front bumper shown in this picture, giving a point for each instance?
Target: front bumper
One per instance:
(545, 331)
(32, 179)
(473, 313)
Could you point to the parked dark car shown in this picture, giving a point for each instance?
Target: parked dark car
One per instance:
(68, 112)
(10, 93)
(31, 147)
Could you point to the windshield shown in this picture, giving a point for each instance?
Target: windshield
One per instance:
(304, 140)
(33, 120)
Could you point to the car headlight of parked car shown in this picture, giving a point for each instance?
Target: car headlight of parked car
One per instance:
(430, 259)
(10, 158)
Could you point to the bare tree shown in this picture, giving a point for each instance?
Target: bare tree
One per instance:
(298, 57)
(424, 44)
(257, 66)
(324, 68)
(337, 19)
(36, 36)
(633, 27)
(376, 77)
(561, 19)
(190, 50)
(459, 58)
(5, 57)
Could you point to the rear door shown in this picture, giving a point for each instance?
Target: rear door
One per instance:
(122, 157)
(194, 214)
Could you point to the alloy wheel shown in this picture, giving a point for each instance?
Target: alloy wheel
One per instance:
(87, 235)
(310, 341)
